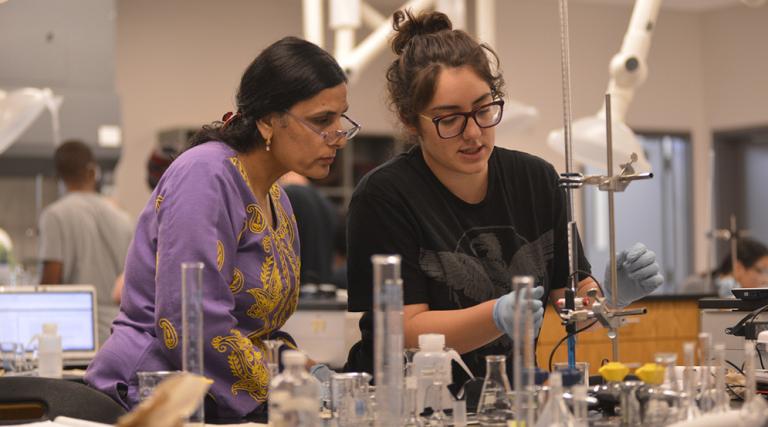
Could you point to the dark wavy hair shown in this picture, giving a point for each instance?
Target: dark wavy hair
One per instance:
(748, 253)
(425, 44)
(288, 71)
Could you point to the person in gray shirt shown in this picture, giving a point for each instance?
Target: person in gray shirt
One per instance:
(83, 237)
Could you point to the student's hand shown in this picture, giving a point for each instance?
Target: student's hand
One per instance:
(638, 275)
(322, 372)
(504, 310)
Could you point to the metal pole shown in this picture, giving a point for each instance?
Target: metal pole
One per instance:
(573, 257)
(734, 244)
(612, 332)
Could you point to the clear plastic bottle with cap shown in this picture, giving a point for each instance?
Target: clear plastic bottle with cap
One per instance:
(495, 407)
(432, 363)
(294, 395)
(49, 351)
(655, 406)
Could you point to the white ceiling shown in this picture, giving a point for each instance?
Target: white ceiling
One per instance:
(689, 5)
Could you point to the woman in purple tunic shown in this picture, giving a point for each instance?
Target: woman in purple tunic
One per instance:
(218, 204)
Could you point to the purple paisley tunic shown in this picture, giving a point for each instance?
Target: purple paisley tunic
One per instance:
(203, 210)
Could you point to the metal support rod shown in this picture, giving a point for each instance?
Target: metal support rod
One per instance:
(573, 257)
(612, 332)
(734, 244)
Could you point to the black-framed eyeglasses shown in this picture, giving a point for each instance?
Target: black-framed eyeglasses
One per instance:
(349, 128)
(453, 124)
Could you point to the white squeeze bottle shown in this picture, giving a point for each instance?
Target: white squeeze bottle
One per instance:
(432, 363)
(49, 352)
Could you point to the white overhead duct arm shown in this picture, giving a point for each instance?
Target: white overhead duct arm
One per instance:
(628, 70)
(20, 108)
(354, 59)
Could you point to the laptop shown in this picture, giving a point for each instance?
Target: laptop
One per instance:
(750, 293)
(24, 309)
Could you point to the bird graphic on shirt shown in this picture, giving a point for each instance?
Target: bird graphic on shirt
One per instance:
(478, 270)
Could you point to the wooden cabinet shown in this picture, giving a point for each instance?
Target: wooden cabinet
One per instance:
(669, 322)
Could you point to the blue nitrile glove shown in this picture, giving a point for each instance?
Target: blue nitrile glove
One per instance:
(638, 275)
(322, 372)
(504, 311)
(724, 285)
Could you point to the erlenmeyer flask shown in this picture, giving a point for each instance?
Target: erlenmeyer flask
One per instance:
(495, 408)
(555, 412)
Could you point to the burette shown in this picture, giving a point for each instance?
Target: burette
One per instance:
(573, 256)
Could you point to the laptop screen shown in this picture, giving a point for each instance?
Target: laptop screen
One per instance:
(23, 310)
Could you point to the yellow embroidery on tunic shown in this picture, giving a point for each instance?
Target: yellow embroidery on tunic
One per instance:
(158, 201)
(246, 363)
(170, 337)
(274, 190)
(240, 168)
(219, 255)
(238, 281)
(276, 299)
(256, 221)
(242, 230)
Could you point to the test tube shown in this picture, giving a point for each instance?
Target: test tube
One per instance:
(192, 326)
(388, 339)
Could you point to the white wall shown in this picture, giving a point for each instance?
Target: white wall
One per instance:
(179, 61)
(178, 64)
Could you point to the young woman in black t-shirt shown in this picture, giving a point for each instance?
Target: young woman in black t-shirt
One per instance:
(464, 215)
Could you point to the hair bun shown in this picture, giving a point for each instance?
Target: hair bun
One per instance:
(407, 26)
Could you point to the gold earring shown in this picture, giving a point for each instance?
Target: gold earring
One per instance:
(268, 142)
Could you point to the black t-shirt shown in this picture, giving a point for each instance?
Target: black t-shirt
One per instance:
(456, 254)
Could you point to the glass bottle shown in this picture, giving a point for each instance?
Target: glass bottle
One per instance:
(495, 408)
(294, 395)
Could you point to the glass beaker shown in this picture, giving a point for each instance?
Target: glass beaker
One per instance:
(495, 408)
